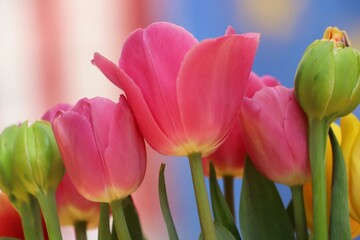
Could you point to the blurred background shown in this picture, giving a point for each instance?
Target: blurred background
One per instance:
(46, 48)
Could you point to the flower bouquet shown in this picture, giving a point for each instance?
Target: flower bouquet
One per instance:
(80, 164)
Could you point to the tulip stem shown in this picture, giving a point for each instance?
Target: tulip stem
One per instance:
(229, 192)
(299, 212)
(318, 130)
(80, 230)
(48, 206)
(119, 219)
(104, 226)
(30, 218)
(202, 201)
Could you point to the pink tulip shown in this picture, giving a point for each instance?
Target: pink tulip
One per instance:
(275, 135)
(185, 94)
(102, 148)
(229, 158)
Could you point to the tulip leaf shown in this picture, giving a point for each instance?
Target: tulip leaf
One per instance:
(262, 213)
(290, 213)
(132, 219)
(221, 233)
(222, 213)
(339, 209)
(164, 203)
(9, 238)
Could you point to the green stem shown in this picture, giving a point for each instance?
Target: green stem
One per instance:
(80, 230)
(203, 206)
(318, 130)
(104, 226)
(119, 219)
(299, 212)
(48, 206)
(30, 218)
(229, 193)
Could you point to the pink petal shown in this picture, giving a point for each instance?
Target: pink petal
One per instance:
(76, 143)
(295, 128)
(230, 30)
(125, 155)
(211, 85)
(149, 127)
(50, 114)
(101, 113)
(256, 83)
(152, 58)
(260, 134)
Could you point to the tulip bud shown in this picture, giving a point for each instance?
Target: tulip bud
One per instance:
(327, 78)
(8, 180)
(37, 158)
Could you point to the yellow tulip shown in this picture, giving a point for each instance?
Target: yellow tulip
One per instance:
(350, 129)
(355, 226)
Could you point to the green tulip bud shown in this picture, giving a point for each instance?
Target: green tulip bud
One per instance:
(328, 76)
(37, 159)
(8, 179)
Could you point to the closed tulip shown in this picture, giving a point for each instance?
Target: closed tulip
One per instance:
(103, 151)
(37, 158)
(327, 81)
(229, 158)
(180, 89)
(9, 182)
(275, 132)
(102, 148)
(350, 145)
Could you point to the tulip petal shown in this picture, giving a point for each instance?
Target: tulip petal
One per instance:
(77, 146)
(147, 124)
(152, 58)
(100, 122)
(211, 85)
(126, 164)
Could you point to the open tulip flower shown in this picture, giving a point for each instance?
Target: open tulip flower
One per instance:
(180, 89)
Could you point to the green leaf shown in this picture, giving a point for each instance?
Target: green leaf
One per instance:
(222, 213)
(132, 219)
(339, 209)
(164, 203)
(221, 233)
(262, 213)
(290, 213)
